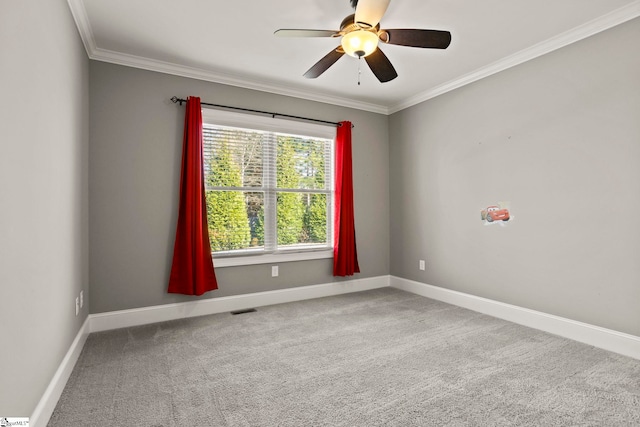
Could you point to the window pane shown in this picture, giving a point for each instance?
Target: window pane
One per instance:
(235, 219)
(266, 190)
(233, 157)
(301, 162)
(315, 218)
(255, 215)
(301, 218)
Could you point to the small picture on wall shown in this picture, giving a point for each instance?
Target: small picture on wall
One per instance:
(496, 214)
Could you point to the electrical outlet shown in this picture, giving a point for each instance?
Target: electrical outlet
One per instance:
(422, 265)
(77, 305)
(274, 271)
(81, 299)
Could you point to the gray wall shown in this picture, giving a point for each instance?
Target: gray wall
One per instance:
(134, 167)
(44, 121)
(557, 137)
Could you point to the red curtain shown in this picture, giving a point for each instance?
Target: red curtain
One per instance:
(192, 268)
(345, 256)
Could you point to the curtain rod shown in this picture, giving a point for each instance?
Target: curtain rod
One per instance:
(177, 100)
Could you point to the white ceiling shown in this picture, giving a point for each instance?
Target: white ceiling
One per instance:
(232, 42)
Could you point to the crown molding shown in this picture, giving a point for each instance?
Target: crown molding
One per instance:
(79, 14)
(612, 19)
(81, 18)
(605, 22)
(119, 58)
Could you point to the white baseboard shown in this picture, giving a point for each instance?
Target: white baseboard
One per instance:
(607, 339)
(161, 313)
(49, 400)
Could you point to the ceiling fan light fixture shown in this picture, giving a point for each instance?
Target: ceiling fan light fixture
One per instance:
(360, 43)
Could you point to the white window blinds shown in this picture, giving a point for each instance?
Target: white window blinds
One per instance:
(267, 191)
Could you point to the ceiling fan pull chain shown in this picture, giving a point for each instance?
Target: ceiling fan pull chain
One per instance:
(359, 72)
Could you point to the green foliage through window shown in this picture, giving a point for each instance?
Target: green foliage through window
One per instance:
(266, 191)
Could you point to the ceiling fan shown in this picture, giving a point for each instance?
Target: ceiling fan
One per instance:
(361, 34)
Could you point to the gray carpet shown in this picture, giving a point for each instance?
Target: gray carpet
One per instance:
(375, 358)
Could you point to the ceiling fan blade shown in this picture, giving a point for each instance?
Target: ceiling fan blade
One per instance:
(434, 39)
(381, 66)
(305, 33)
(323, 65)
(370, 11)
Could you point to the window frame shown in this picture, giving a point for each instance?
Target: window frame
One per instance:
(269, 124)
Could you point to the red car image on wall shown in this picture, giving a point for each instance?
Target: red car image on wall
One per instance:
(495, 213)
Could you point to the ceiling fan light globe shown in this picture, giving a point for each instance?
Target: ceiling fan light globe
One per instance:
(360, 43)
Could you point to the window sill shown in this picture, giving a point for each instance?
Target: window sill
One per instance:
(271, 258)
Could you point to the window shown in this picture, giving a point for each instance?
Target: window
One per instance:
(269, 188)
